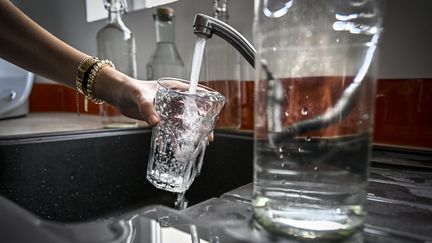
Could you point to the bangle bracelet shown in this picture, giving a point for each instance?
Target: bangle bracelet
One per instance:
(87, 71)
(89, 87)
(83, 68)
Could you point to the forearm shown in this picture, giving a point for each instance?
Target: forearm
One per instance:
(29, 46)
(26, 44)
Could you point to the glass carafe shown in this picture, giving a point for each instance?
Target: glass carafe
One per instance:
(166, 60)
(223, 68)
(247, 87)
(314, 113)
(116, 43)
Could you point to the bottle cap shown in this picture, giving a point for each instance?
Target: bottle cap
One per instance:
(164, 14)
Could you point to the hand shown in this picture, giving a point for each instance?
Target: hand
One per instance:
(134, 98)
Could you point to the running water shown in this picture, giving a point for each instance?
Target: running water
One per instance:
(191, 111)
(196, 63)
(191, 107)
(181, 202)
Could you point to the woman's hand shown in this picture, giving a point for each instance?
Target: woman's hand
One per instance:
(134, 98)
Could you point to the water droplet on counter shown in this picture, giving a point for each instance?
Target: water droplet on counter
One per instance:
(304, 111)
(164, 220)
(207, 208)
(316, 168)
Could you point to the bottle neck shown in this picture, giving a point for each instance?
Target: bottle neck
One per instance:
(115, 9)
(115, 16)
(164, 31)
(221, 10)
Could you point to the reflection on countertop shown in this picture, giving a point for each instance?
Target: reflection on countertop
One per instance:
(50, 122)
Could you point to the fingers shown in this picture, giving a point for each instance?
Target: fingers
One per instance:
(147, 111)
(144, 93)
(211, 137)
(173, 84)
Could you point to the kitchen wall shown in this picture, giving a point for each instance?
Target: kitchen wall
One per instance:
(405, 50)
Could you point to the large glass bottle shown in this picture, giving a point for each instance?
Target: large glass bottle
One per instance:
(116, 43)
(166, 60)
(223, 70)
(247, 96)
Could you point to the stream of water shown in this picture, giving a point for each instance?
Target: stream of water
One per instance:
(196, 63)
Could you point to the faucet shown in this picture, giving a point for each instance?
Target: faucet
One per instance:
(207, 26)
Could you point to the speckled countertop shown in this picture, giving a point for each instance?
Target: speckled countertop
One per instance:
(47, 122)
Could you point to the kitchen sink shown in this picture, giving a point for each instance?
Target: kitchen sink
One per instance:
(83, 176)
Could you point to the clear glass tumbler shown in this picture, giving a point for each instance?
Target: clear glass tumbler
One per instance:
(179, 140)
(314, 113)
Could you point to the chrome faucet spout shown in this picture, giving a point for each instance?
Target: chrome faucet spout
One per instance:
(207, 26)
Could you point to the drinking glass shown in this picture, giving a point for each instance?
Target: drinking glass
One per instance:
(178, 142)
(314, 112)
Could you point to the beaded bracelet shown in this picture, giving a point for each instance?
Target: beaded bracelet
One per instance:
(82, 69)
(93, 72)
(87, 72)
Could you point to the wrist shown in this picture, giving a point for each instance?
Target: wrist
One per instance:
(109, 83)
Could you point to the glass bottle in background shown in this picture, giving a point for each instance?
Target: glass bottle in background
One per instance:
(166, 60)
(222, 67)
(116, 43)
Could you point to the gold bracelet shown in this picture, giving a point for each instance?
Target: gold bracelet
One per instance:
(93, 72)
(82, 69)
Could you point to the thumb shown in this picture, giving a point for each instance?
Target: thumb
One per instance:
(147, 110)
